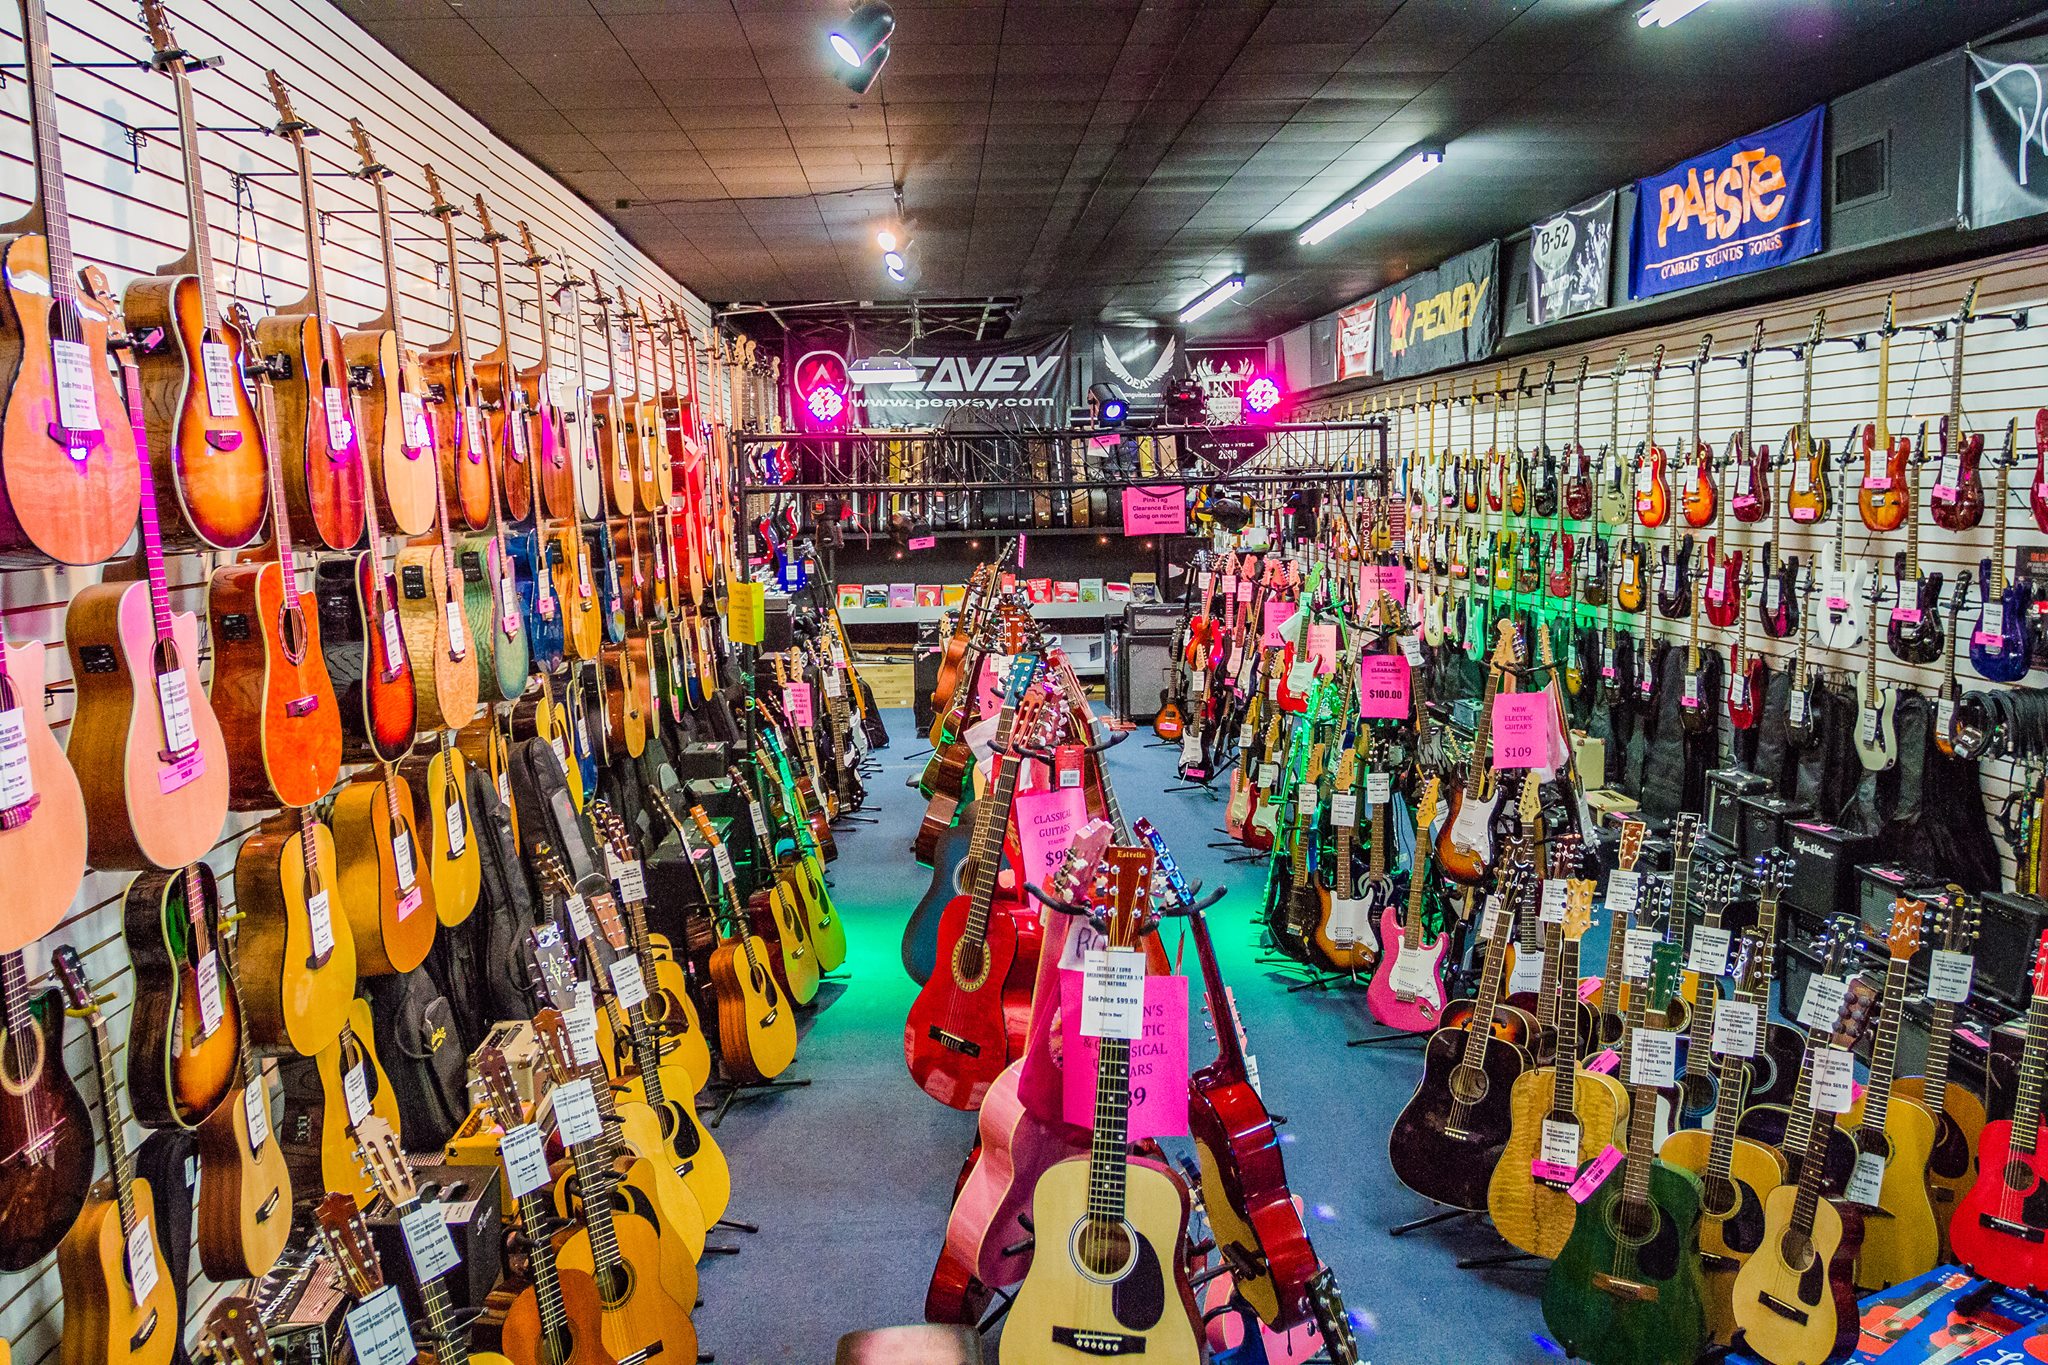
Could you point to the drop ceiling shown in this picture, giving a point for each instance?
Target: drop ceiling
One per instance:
(1106, 161)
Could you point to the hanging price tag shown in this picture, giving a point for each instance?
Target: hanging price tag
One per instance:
(525, 1154)
(1949, 975)
(401, 856)
(142, 1276)
(1795, 707)
(340, 435)
(176, 710)
(208, 972)
(413, 414)
(1343, 809)
(1499, 920)
(576, 1116)
(726, 872)
(579, 917)
(1944, 716)
(458, 830)
(1624, 890)
(1866, 725)
(627, 982)
(428, 1244)
(77, 405)
(1653, 1058)
(1771, 593)
(218, 370)
(473, 426)
(320, 923)
(1707, 956)
(378, 1330)
(632, 883)
(1113, 994)
(256, 1111)
(1736, 1025)
(1557, 1152)
(17, 782)
(1411, 650)
(1866, 1181)
(1636, 950)
(355, 1093)
(1379, 788)
(1551, 909)
(1824, 996)
(580, 1020)
(1691, 699)
(458, 630)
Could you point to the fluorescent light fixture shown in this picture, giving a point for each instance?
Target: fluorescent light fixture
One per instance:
(1377, 191)
(1665, 13)
(881, 369)
(886, 240)
(1207, 301)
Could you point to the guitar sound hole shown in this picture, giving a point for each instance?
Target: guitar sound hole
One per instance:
(1797, 1251)
(970, 964)
(291, 627)
(2018, 1176)
(21, 1060)
(1632, 1225)
(1468, 1084)
(1104, 1249)
(1719, 1197)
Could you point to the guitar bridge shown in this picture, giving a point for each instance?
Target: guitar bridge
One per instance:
(301, 706)
(1090, 1342)
(14, 817)
(1791, 1312)
(2010, 1227)
(954, 1043)
(1633, 1290)
(224, 440)
(77, 444)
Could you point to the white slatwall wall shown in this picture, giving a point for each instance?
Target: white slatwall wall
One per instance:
(2003, 374)
(129, 220)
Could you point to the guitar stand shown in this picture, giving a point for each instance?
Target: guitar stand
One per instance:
(996, 1314)
(737, 1226)
(1429, 1220)
(1393, 1039)
(1517, 1259)
(732, 1090)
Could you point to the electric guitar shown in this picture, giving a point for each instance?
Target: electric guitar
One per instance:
(1957, 502)
(1841, 625)
(1701, 500)
(2000, 1229)
(1464, 848)
(2001, 644)
(1913, 630)
(1407, 991)
(1808, 497)
(1753, 500)
(1894, 1138)
(1653, 484)
(1884, 500)
(1877, 738)
(1343, 935)
(182, 1047)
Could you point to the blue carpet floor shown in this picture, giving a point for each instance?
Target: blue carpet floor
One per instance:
(851, 1178)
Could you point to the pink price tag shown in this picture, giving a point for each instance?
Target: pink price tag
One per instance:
(1277, 614)
(1158, 511)
(1744, 501)
(923, 542)
(1046, 821)
(183, 773)
(1987, 637)
(1322, 645)
(1909, 616)
(1553, 1172)
(1589, 987)
(1838, 604)
(1946, 491)
(1020, 554)
(1604, 1062)
(796, 700)
(1521, 729)
(1973, 1037)
(1383, 687)
(1159, 1060)
(1596, 1173)
(1878, 484)
(988, 689)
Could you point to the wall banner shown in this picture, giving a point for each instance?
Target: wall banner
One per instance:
(1357, 331)
(1009, 383)
(1442, 317)
(1746, 206)
(1571, 258)
(2005, 175)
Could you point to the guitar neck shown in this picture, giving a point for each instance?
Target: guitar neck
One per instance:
(1877, 1094)
(119, 1166)
(49, 203)
(1565, 1067)
(1109, 1149)
(1729, 1101)
(2026, 1113)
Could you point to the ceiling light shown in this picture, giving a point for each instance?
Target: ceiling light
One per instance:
(882, 369)
(1211, 297)
(863, 33)
(886, 240)
(1665, 13)
(859, 78)
(1376, 192)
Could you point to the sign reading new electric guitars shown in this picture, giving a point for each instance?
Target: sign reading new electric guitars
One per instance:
(1746, 206)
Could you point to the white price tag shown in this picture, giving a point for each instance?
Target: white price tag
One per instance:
(320, 921)
(833, 686)
(1771, 593)
(17, 782)
(627, 982)
(1198, 683)
(1305, 801)
(1866, 726)
(142, 1275)
(340, 434)
(1379, 788)
(77, 405)
(1653, 1058)
(581, 1022)
(1559, 1145)
(576, 1116)
(1944, 716)
(176, 707)
(473, 424)
(526, 1160)
(583, 584)
(1269, 775)
(1708, 954)
(726, 872)
(1795, 707)
(256, 1110)
(1411, 649)
(1113, 994)
(1951, 472)
(413, 414)
(1670, 580)
(355, 1093)
(1624, 889)
(1736, 1024)
(458, 829)
(1628, 573)
(631, 881)
(208, 972)
(1251, 1073)
(394, 638)
(1646, 478)
(1496, 918)
(402, 856)
(1692, 691)
(1343, 809)
(1866, 1181)
(1949, 975)
(217, 368)
(1636, 950)
(428, 1244)
(1823, 1002)
(379, 1332)
(579, 917)
(458, 630)
(1551, 909)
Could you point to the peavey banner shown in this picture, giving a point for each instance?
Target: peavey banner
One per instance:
(1750, 205)
(1571, 257)
(1008, 383)
(2006, 175)
(1442, 317)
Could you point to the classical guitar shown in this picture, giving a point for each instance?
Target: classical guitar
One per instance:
(1123, 1287)
(1407, 992)
(1957, 500)
(244, 1212)
(1998, 1228)
(1882, 498)
(558, 1319)
(439, 783)
(271, 690)
(1794, 1301)
(142, 714)
(120, 1306)
(1464, 848)
(298, 955)
(315, 448)
(460, 430)
(398, 446)
(202, 433)
(2001, 644)
(392, 1176)
(357, 1271)
(46, 1142)
(1958, 1112)
(68, 484)
(756, 1030)
(182, 1048)
(490, 587)
(390, 904)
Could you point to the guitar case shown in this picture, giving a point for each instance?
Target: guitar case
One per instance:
(540, 794)
(169, 1160)
(481, 963)
(421, 1047)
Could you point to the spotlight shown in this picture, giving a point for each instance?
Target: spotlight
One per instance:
(1388, 184)
(892, 261)
(1106, 405)
(1185, 403)
(826, 404)
(1665, 13)
(1207, 301)
(886, 240)
(865, 32)
(1262, 395)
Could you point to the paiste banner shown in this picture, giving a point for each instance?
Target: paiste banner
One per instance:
(1748, 205)
(1442, 317)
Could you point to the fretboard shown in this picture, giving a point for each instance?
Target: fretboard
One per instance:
(1877, 1096)
(195, 195)
(111, 1119)
(1565, 1074)
(49, 163)
(2026, 1110)
(1110, 1149)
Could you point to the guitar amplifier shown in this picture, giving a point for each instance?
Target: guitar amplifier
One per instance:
(302, 1303)
(1880, 884)
(1725, 789)
(1762, 824)
(716, 795)
(702, 760)
(470, 1198)
(1824, 877)
(2010, 930)
(1148, 670)
(776, 633)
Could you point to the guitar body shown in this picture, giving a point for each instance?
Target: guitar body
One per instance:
(54, 506)
(1960, 506)
(955, 1039)
(1701, 497)
(1424, 1012)
(651, 1187)
(1766, 1124)
(1063, 1310)
(1731, 1212)
(1168, 722)
(1724, 587)
(673, 1137)
(821, 917)
(393, 929)
(503, 662)
(42, 860)
(178, 1072)
(323, 482)
(1881, 498)
(1773, 1074)
(353, 1048)
(271, 690)
(756, 1032)
(625, 710)
(1534, 1215)
(373, 688)
(400, 474)
(774, 918)
(544, 634)
(102, 1324)
(1665, 1323)
(548, 444)
(445, 688)
(459, 434)
(46, 1139)
(527, 1342)
(1952, 1165)
(440, 793)
(509, 442)
(1464, 847)
(951, 871)
(989, 1212)
(1901, 1239)
(636, 1310)
(2009, 1201)
(582, 625)
(1800, 1311)
(1880, 749)
(1254, 1218)
(1920, 638)
(213, 464)
(157, 815)
(2001, 654)
(1448, 1138)
(291, 997)
(1653, 490)
(673, 1019)
(1358, 955)
(244, 1214)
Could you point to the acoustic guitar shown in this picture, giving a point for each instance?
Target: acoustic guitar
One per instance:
(490, 587)
(271, 689)
(327, 1098)
(1122, 1288)
(554, 473)
(547, 473)
(188, 1018)
(446, 677)
(356, 1269)
(390, 905)
(46, 1142)
(298, 954)
(461, 430)
(672, 1020)
(558, 1319)
(1894, 1138)
(42, 811)
(615, 423)
(1787, 1125)
(2000, 1228)
(144, 733)
(202, 433)
(756, 1034)
(68, 484)
(568, 554)
(1959, 1115)
(120, 1305)
(244, 1213)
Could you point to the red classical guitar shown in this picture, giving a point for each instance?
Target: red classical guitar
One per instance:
(2000, 1229)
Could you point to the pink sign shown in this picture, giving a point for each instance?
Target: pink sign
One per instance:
(1521, 729)
(1322, 645)
(1596, 1173)
(988, 688)
(1159, 1060)
(796, 702)
(1046, 821)
(1277, 615)
(1159, 511)
(1391, 579)
(1383, 682)
(923, 542)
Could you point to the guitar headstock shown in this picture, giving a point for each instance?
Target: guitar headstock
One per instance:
(560, 1053)
(1347, 770)
(1013, 631)
(1084, 856)
(1333, 1321)
(1632, 832)
(372, 168)
(1836, 946)
(1130, 889)
(1507, 645)
(554, 967)
(500, 1093)
(157, 19)
(1750, 967)
(441, 208)
(483, 218)
(553, 874)
(346, 1235)
(1685, 836)
(1960, 921)
(1859, 1006)
(1564, 854)
(234, 1335)
(604, 908)
(1425, 810)
(1902, 936)
(289, 124)
(78, 993)
(383, 1161)
(2041, 967)
(1578, 907)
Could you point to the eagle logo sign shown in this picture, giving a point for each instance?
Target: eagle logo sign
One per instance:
(1131, 381)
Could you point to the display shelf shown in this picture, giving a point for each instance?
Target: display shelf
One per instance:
(1049, 611)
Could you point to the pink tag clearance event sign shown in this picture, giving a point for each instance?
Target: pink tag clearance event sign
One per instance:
(1159, 1060)
(1156, 511)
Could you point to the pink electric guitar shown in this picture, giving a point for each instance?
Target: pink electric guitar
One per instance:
(1407, 992)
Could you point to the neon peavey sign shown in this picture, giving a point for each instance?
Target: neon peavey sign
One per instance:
(970, 375)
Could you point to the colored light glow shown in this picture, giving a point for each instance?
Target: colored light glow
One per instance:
(1262, 395)
(886, 240)
(826, 403)
(1373, 195)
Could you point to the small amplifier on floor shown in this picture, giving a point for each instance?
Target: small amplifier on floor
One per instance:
(1824, 878)
(517, 1042)
(1761, 827)
(716, 796)
(2009, 930)
(1880, 885)
(702, 760)
(1725, 789)
(470, 1200)
(302, 1303)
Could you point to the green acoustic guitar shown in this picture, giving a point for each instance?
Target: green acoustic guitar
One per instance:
(503, 659)
(1628, 1288)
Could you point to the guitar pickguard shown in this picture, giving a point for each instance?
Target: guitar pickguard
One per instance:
(1139, 1298)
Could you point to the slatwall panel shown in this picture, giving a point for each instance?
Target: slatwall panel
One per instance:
(2002, 379)
(127, 215)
